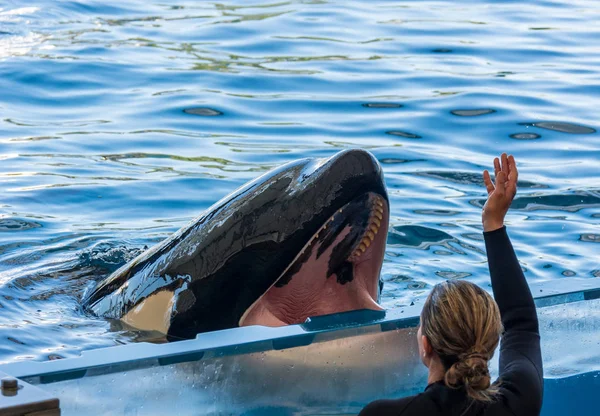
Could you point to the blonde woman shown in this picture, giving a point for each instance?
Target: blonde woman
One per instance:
(461, 326)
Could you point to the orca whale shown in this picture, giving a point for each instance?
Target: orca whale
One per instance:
(302, 240)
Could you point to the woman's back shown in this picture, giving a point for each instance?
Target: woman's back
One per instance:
(520, 384)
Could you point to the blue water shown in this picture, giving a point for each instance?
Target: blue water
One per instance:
(121, 121)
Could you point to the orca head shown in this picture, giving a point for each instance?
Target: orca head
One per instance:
(304, 239)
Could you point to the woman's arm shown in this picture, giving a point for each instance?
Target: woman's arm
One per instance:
(520, 355)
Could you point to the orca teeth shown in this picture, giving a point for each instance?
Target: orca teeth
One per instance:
(372, 228)
(370, 231)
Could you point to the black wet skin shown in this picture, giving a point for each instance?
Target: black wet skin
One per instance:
(238, 248)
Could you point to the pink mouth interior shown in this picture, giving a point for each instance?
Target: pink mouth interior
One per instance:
(311, 293)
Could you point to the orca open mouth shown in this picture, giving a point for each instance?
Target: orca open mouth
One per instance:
(304, 239)
(336, 271)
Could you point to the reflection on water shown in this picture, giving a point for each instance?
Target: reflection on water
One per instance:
(590, 238)
(15, 224)
(382, 105)
(525, 136)
(473, 113)
(403, 134)
(119, 122)
(472, 178)
(203, 111)
(560, 202)
(562, 127)
(416, 236)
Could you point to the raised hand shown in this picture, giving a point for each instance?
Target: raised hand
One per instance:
(500, 194)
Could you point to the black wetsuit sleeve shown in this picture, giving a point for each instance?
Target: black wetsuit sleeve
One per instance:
(521, 372)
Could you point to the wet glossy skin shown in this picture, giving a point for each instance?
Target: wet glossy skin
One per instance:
(225, 260)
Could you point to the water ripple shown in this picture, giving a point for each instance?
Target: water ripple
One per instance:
(561, 202)
(525, 136)
(473, 113)
(403, 134)
(562, 127)
(203, 111)
(121, 121)
(15, 224)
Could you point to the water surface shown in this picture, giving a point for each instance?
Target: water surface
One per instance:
(121, 121)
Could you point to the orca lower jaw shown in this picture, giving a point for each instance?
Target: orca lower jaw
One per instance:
(336, 271)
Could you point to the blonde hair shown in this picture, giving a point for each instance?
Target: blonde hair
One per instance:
(463, 325)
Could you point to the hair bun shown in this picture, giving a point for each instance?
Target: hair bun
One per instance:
(470, 371)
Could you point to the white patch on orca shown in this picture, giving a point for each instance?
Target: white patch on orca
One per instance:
(153, 313)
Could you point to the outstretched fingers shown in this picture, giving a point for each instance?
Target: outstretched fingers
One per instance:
(513, 175)
(504, 159)
(488, 182)
(496, 166)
